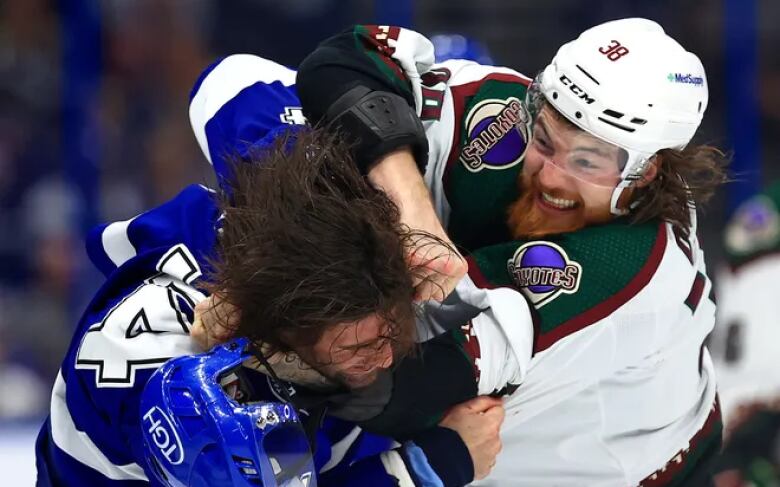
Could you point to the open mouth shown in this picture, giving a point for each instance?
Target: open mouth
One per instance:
(559, 204)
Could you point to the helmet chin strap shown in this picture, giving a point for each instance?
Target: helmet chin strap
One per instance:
(616, 194)
(631, 173)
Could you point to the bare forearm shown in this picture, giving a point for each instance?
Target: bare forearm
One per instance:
(397, 174)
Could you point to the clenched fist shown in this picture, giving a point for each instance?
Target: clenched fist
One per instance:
(478, 422)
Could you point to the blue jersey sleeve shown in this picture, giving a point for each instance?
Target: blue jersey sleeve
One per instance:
(349, 457)
(240, 103)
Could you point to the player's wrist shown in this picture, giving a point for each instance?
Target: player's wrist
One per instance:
(447, 455)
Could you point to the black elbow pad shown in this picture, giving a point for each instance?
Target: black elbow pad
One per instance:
(376, 123)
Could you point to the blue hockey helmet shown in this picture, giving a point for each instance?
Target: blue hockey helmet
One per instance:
(456, 46)
(196, 435)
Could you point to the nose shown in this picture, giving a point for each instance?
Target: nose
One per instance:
(551, 176)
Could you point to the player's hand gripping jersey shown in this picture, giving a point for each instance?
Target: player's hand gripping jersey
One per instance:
(142, 315)
(596, 335)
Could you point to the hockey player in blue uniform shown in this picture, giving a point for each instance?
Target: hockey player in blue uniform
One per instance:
(162, 263)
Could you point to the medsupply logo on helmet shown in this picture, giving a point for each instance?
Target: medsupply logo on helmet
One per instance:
(496, 135)
(162, 433)
(686, 79)
(542, 271)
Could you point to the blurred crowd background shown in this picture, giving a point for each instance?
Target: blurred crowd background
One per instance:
(94, 126)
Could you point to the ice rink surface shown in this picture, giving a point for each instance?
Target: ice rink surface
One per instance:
(17, 454)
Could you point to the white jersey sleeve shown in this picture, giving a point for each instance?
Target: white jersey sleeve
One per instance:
(503, 334)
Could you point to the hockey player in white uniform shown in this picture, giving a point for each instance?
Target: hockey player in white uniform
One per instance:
(745, 343)
(590, 308)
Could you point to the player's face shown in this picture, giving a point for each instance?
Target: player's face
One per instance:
(354, 353)
(567, 180)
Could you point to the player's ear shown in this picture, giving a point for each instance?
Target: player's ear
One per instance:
(650, 173)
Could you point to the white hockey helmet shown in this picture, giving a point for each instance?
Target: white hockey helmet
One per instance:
(628, 83)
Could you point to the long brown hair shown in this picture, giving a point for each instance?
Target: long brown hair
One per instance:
(684, 178)
(306, 243)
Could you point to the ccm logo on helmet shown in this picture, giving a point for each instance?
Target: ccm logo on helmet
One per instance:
(163, 435)
(576, 89)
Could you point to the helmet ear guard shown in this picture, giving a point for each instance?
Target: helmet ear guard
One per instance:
(628, 83)
(195, 434)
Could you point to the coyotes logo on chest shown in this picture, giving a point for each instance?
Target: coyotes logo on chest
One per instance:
(542, 271)
(496, 135)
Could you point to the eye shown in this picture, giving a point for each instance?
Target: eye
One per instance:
(543, 143)
(372, 346)
(585, 164)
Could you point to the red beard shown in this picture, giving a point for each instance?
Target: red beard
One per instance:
(527, 221)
